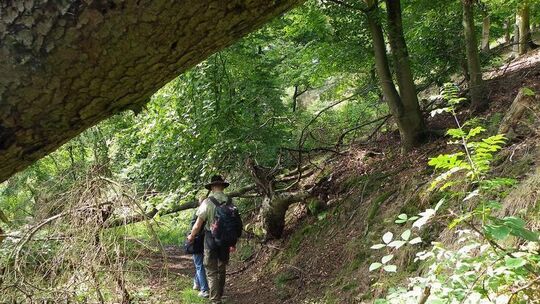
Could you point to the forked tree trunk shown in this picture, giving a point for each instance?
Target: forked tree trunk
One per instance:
(66, 65)
(476, 83)
(412, 119)
(486, 25)
(406, 119)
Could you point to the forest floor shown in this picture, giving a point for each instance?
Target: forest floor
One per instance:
(316, 258)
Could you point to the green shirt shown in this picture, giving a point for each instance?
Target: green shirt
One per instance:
(207, 209)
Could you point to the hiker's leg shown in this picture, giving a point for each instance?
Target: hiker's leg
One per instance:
(201, 273)
(211, 265)
(222, 269)
(222, 272)
(196, 284)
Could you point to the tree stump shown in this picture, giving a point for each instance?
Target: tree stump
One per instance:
(524, 100)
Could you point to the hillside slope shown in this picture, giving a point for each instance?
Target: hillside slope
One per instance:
(325, 258)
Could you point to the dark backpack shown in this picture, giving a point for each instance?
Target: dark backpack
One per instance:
(227, 227)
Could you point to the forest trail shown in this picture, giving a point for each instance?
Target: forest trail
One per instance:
(240, 288)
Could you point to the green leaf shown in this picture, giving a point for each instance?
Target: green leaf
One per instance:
(375, 266)
(514, 263)
(475, 131)
(528, 91)
(499, 232)
(387, 237)
(455, 133)
(385, 259)
(390, 268)
(402, 216)
(396, 244)
(416, 240)
(406, 235)
(525, 234)
(378, 246)
(514, 222)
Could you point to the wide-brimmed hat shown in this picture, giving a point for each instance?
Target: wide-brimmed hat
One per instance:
(215, 181)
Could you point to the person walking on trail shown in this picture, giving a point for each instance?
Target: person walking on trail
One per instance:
(222, 226)
(199, 281)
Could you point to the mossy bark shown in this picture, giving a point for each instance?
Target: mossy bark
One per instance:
(66, 65)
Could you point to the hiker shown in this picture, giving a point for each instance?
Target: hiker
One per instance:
(197, 248)
(222, 226)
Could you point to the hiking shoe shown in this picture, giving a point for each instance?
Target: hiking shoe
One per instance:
(203, 294)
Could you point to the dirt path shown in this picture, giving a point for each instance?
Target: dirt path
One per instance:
(241, 288)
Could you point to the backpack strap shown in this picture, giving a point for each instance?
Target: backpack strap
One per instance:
(214, 201)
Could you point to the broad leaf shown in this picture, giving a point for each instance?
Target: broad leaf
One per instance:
(390, 268)
(375, 266)
(387, 258)
(387, 237)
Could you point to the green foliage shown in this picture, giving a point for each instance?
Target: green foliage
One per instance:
(454, 275)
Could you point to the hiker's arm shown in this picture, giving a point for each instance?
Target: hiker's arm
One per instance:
(196, 228)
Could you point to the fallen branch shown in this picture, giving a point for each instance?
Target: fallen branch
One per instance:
(342, 136)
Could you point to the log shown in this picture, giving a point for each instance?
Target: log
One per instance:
(524, 100)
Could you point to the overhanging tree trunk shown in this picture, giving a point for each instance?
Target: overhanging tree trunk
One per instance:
(476, 83)
(66, 65)
(412, 119)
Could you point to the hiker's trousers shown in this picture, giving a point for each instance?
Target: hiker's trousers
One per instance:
(200, 272)
(215, 262)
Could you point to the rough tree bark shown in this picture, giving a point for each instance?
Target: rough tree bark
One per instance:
(476, 83)
(524, 100)
(412, 119)
(66, 65)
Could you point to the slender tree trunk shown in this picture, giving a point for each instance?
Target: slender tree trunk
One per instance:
(476, 83)
(515, 41)
(486, 25)
(507, 31)
(523, 22)
(412, 119)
